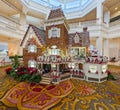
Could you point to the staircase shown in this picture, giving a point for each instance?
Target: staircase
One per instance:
(46, 79)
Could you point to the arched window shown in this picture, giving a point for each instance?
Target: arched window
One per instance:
(55, 50)
(32, 63)
(32, 48)
(76, 39)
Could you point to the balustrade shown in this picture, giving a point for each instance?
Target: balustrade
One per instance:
(83, 24)
(7, 22)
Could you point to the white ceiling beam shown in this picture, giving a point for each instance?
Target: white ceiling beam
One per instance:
(11, 5)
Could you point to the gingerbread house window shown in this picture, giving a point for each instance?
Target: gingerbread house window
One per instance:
(32, 63)
(55, 50)
(32, 48)
(104, 68)
(76, 39)
(54, 32)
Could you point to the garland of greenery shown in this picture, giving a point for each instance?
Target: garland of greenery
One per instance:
(110, 76)
(30, 74)
(21, 73)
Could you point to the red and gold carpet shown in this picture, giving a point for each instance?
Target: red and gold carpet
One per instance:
(68, 95)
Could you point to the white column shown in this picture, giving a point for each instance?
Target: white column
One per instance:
(13, 48)
(58, 68)
(107, 17)
(64, 4)
(21, 51)
(99, 12)
(80, 4)
(48, 1)
(22, 21)
(99, 45)
(106, 47)
(23, 15)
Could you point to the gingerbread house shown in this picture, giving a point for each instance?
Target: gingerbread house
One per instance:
(54, 40)
(54, 50)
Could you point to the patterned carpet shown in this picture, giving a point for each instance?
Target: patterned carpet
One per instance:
(68, 95)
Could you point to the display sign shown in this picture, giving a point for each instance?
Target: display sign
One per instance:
(93, 68)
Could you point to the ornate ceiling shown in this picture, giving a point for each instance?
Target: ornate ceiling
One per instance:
(67, 5)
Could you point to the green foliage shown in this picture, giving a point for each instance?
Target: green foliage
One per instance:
(110, 77)
(36, 78)
(24, 77)
(29, 78)
(12, 57)
(22, 73)
(39, 66)
(13, 74)
(82, 56)
(15, 62)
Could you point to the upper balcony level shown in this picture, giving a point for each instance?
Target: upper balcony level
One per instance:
(106, 30)
(11, 28)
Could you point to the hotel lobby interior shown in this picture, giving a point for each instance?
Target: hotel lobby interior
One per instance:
(59, 54)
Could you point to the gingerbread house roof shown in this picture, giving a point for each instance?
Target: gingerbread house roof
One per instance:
(56, 13)
(38, 32)
(83, 35)
(71, 35)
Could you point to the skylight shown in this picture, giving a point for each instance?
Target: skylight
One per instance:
(66, 5)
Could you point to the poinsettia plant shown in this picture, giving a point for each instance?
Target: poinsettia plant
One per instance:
(8, 70)
(22, 73)
(110, 76)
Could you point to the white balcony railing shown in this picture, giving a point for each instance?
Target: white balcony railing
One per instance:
(83, 24)
(89, 23)
(10, 27)
(109, 31)
(114, 29)
(4, 21)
